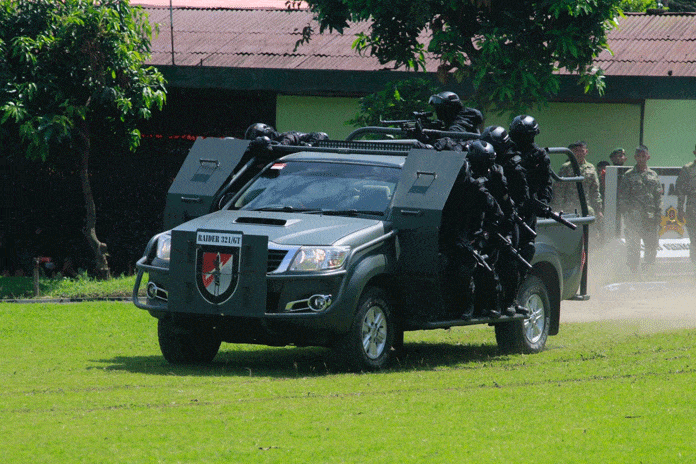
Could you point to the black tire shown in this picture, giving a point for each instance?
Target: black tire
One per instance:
(367, 346)
(187, 341)
(528, 336)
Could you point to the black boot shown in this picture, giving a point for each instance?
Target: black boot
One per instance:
(509, 310)
(519, 309)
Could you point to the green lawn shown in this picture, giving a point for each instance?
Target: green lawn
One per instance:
(85, 382)
(80, 287)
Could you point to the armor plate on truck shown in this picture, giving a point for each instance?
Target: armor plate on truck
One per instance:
(218, 272)
(426, 180)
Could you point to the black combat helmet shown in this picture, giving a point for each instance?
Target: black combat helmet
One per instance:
(523, 128)
(259, 129)
(498, 137)
(481, 156)
(447, 104)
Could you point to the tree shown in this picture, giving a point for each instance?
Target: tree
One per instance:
(69, 69)
(686, 6)
(673, 6)
(637, 5)
(511, 50)
(399, 99)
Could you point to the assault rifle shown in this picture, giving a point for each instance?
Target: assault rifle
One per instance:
(420, 119)
(419, 127)
(545, 211)
(520, 222)
(511, 248)
(478, 257)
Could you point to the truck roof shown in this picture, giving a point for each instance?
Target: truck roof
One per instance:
(355, 158)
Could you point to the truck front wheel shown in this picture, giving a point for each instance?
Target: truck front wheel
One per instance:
(529, 335)
(368, 344)
(186, 341)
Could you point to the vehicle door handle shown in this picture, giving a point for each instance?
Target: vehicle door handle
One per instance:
(191, 199)
(411, 212)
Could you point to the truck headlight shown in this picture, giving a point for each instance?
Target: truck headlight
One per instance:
(314, 258)
(164, 246)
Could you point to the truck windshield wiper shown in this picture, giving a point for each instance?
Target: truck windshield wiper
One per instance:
(348, 212)
(287, 209)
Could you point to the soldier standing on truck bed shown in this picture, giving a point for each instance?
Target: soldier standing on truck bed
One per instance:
(537, 165)
(516, 178)
(467, 209)
(489, 291)
(454, 115)
(686, 203)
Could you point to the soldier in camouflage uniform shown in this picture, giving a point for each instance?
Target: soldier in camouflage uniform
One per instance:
(686, 203)
(640, 203)
(565, 194)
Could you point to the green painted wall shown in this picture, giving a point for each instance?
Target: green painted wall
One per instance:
(670, 131)
(603, 126)
(316, 114)
(669, 127)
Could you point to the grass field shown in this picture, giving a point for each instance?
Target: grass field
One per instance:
(80, 287)
(85, 382)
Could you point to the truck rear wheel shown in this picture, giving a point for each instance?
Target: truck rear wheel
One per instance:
(186, 341)
(529, 335)
(368, 344)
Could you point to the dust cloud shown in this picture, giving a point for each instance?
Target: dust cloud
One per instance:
(659, 297)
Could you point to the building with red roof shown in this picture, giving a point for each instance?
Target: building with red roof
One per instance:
(235, 62)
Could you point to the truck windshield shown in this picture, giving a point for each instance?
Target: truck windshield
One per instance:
(313, 186)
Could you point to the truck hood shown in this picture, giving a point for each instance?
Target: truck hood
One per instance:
(291, 228)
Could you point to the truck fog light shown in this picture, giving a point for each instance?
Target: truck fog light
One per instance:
(156, 292)
(319, 302)
(151, 291)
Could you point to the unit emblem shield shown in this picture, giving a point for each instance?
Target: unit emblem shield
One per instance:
(217, 265)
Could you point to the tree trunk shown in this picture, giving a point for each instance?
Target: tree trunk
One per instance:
(90, 229)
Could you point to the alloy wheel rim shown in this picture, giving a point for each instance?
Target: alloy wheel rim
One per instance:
(374, 332)
(534, 324)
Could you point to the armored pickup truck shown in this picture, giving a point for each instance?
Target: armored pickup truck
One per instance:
(335, 245)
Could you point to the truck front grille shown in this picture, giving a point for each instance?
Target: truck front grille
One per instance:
(275, 257)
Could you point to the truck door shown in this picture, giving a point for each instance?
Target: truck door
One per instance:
(207, 167)
(426, 180)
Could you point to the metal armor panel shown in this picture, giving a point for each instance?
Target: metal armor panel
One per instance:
(218, 272)
(207, 167)
(426, 181)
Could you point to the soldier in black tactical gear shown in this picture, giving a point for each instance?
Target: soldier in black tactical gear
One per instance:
(468, 208)
(454, 115)
(511, 162)
(263, 137)
(260, 129)
(537, 165)
(515, 175)
(301, 138)
(482, 157)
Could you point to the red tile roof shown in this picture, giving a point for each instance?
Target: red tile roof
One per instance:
(643, 45)
(244, 4)
(652, 45)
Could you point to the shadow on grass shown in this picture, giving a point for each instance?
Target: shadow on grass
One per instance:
(294, 362)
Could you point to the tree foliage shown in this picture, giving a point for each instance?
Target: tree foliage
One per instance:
(512, 51)
(673, 6)
(397, 100)
(72, 68)
(679, 6)
(66, 61)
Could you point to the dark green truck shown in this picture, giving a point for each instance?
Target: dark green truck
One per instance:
(330, 245)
